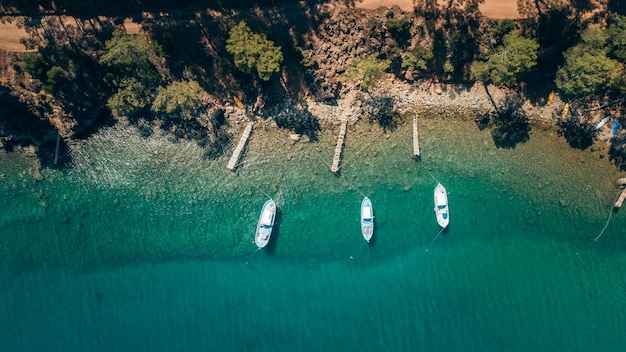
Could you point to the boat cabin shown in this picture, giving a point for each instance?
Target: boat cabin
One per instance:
(267, 217)
(366, 213)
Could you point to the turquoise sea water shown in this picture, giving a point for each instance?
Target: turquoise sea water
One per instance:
(146, 245)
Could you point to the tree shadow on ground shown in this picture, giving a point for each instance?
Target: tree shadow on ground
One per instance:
(617, 151)
(81, 91)
(510, 126)
(578, 134)
(196, 45)
(617, 6)
(21, 127)
(219, 143)
(295, 115)
(50, 157)
(538, 89)
(181, 130)
(381, 110)
(209, 130)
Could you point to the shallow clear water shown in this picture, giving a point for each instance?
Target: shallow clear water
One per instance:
(147, 245)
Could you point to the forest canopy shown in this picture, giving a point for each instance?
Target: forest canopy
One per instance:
(253, 52)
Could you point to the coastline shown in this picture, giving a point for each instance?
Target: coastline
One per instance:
(166, 196)
(142, 237)
(409, 94)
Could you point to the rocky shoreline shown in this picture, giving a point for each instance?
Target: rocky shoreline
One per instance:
(342, 33)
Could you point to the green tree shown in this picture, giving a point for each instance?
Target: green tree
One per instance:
(180, 99)
(517, 55)
(505, 27)
(399, 30)
(253, 52)
(130, 55)
(34, 64)
(594, 38)
(369, 70)
(56, 76)
(586, 72)
(617, 38)
(131, 73)
(131, 98)
(398, 25)
(587, 69)
(418, 58)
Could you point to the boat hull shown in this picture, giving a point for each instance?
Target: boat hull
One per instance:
(265, 224)
(367, 219)
(442, 212)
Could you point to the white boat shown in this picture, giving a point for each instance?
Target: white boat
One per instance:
(265, 224)
(603, 122)
(441, 206)
(367, 219)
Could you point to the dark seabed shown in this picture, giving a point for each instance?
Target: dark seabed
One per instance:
(145, 245)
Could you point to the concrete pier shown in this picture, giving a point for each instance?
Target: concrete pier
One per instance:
(416, 140)
(340, 140)
(232, 163)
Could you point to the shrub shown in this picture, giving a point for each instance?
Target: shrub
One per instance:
(253, 52)
(34, 64)
(505, 27)
(398, 25)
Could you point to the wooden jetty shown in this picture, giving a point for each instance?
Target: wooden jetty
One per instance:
(232, 163)
(342, 136)
(621, 199)
(416, 140)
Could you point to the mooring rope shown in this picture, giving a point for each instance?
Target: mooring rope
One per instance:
(431, 175)
(434, 239)
(406, 143)
(605, 225)
(246, 178)
(343, 179)
(254, 185)
(607, 220)
(256, 161)
(352, 186)
(381, 341)
(251, 161)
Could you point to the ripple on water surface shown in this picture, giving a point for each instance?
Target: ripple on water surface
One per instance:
(163, 240)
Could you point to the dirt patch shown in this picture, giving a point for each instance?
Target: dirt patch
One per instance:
(10, 36)
(500, 9)
(404, 5)
(131, 27)
(497, 9)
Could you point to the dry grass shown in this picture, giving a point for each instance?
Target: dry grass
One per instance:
(10, 36)
(497, 9)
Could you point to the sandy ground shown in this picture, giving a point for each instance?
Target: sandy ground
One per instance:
(500, 9)
(10, 36)
(497, 9)
(131, 27)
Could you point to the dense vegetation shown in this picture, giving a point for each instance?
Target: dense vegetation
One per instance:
(253, 52)
(187, 62)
